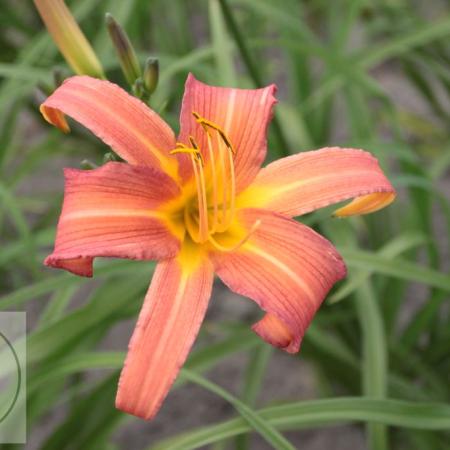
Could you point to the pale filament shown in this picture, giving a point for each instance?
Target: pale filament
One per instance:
(224, 180)
(199, 227)
(215, 221)
(228, 182)
(199, 175)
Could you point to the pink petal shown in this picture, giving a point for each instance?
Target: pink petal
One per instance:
(127, 125)
(307, 181)
(115, 211)
(165, 332)
(243, 114)
(287, 268)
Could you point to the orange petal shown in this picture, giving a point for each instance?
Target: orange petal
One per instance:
(287, 268)
(165, 332)
(114, 211)
(135, 132)
(307, 181)
(243, 114)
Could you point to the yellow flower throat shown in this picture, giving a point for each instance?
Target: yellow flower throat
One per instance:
(214, 205)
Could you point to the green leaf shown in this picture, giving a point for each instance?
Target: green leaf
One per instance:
(223, 50)
(108, 302)
(252, 68)
(398, 245)
(201, 359)
(25, 73)
(254, 377)
(395, 267)
(403, 43)
(34, 290)
(260, 425)
(374, 357)
(326, 412)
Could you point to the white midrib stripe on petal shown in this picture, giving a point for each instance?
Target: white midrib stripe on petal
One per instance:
(284, 268)
(230, 110)
(280, 188)
(91, 213)
(165, 336)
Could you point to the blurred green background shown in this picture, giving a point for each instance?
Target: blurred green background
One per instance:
(374, 369)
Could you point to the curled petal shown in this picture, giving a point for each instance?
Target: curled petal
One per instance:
(243, 114)
(135, 132)
(118, 211)
(307, 181)
(169, 321)
(274, 331)
(287, 268)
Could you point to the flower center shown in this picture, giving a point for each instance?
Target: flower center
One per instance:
(213, 207)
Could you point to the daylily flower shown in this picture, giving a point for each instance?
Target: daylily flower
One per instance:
(201, 205)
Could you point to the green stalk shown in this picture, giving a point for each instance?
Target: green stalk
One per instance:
(283, 149)
(253, 379)
(374, 359)
(260, 425)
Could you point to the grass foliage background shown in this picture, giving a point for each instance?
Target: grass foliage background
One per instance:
(373, 74)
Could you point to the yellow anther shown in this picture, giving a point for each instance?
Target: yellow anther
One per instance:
(193, 143)
(181, 148)
(208, 124)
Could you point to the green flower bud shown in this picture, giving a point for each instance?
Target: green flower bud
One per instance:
(151, 75)
(125, 51)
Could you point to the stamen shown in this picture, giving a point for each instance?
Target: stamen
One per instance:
(214, 183)
(224, 180)
(226, 208)
(233, 190)
(199, 225)
(195, 147)
(181, 148)
(239, 244)
(203, 209)
(207, 123)
(199, 175)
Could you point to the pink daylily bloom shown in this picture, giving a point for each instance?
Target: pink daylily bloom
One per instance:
(202, 205)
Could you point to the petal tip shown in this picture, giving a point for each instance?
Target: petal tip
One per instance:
(54, 117)
(125, 406)
(367, 204)
(80, 266)
(275, 332)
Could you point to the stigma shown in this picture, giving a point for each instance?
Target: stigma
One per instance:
(213, 208)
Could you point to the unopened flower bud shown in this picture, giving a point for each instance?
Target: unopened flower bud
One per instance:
(86, 164)
(108, 157)
(125, 51)
(138, 88)
(151, 75)
(69, 38)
